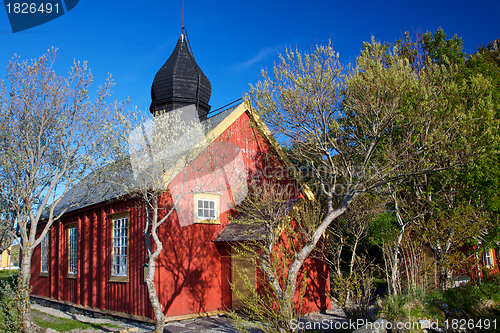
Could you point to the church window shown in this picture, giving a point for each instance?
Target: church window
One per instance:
(44, 262)
(206, 208)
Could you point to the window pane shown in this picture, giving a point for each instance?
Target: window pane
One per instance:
(44, 264)
(120, 249)
(72, 250)
(207, 209)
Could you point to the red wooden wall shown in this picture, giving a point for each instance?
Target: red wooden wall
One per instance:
(92, 287)
(192, 272)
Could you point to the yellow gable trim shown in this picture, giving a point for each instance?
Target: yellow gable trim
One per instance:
(210, 138)
(223, 126)
(277, 148)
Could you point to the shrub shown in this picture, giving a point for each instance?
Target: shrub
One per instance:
(9, 317)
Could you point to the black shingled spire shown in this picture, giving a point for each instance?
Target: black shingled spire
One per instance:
(180, 82)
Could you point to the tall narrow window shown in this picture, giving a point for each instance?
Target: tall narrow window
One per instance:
(73, 250)
(487, 258)
(45, 254)
(120, 247)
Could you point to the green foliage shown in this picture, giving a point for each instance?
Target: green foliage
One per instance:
(9, 316)
(353, 293)
(383, 227)
(476, 301)
(411, 306)
(14, 256)
(487, 64)
(479, 181)
(8, 275)
(443, 50)
(450, 207)
(478, 80)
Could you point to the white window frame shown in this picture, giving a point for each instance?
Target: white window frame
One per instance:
(487, 258)
(208, 209)
(44, 254)
(120, 248)
(213, 209)
(73, 250)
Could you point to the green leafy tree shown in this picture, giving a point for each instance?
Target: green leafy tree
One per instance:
(468, 195)
(358, 130)
(441, 50)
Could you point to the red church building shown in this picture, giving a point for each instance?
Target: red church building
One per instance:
(94, 257)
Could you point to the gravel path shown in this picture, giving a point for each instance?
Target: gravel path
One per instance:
(214, 324)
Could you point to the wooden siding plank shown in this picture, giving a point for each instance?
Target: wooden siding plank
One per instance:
(80, 247)
(95, 259)
(103, 257)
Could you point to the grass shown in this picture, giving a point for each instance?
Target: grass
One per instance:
(42, 319)
(65, 324)
(6, 274)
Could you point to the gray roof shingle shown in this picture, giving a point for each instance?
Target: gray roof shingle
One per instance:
(98, 187)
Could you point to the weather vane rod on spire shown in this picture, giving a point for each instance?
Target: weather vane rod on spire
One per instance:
(182, 15)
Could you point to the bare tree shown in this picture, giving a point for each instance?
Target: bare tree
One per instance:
(357, 130)
(276, 221)
(354, 290)
(6, 227)
(53, 134)
(171, 159)
(405, 212)
(445, 223)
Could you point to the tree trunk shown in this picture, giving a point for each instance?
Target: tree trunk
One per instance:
(23, 289)
(440, 271)
(395, 262)
(353, 257)
(293, 271)
(153, 296)
(287, 305)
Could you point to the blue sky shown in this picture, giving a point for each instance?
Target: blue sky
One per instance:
(231, 40)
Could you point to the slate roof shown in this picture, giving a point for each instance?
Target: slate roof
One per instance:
(238, 232)
(104, 186)
(180, 81)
